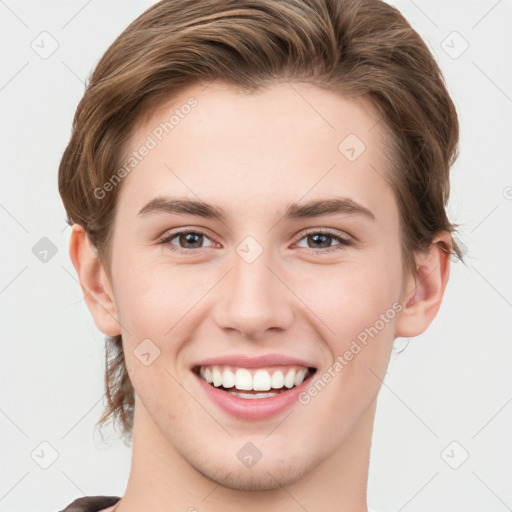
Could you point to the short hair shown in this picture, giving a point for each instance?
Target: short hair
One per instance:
(359, 48)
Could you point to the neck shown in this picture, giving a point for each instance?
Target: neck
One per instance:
(161, 480)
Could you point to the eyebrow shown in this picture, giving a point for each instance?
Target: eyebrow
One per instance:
(315, 208)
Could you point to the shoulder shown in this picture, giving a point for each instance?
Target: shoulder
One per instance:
(91, 503)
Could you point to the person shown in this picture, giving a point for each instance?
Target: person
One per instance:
(257, 193)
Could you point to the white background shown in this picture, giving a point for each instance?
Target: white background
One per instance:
(453, 383)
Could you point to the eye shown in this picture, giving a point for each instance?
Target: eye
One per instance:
(320, 241)
(188, 240)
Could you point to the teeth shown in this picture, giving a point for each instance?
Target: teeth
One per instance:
(277, 380)
(217, 377)
(289, 380)
(300, 376)
(243, 379)
(261, 379)
(207, 375)
(252, 397)
(228, 379)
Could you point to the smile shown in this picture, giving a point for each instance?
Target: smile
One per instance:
(249, 383)
(253, 388)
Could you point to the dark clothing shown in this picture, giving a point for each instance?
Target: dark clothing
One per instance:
(91, 503)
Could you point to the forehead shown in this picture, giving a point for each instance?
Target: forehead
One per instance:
(254, 150)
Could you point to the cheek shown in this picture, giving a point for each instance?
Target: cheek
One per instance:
(351, 298)
(156, 296)
(359, 310)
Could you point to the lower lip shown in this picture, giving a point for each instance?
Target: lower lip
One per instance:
(252, 408)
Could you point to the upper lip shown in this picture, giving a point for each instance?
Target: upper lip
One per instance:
(245, 361)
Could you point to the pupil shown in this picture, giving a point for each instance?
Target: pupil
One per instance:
(316, 238)
(189, 239)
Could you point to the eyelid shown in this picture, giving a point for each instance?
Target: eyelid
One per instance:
(327, 231)
(171, 233)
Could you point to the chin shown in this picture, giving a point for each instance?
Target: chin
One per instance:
(264, 476)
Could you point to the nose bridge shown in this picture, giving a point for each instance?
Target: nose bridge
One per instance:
(252, 299)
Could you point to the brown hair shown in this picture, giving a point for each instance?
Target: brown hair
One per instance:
(359, 48)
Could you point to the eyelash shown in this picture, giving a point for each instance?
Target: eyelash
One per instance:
(343, 242)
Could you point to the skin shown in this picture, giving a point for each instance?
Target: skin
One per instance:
(253, 154)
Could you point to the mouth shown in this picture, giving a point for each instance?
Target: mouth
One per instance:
(254, 383)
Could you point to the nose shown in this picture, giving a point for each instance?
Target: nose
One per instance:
(252, 299)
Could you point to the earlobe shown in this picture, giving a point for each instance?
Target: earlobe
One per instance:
(95, 285)
(424, 292)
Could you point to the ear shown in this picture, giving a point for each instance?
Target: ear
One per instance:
(93, 279)
(424, 291)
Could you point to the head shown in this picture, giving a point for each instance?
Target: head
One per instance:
(254, 107)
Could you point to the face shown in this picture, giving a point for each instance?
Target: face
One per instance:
(291, 271)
